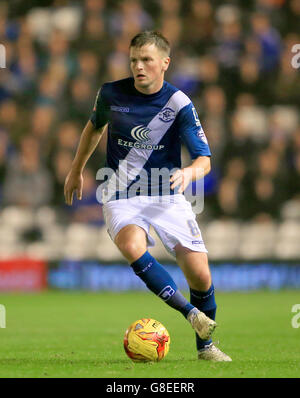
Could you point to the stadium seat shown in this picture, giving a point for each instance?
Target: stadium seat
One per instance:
(8, 235)
(54, 238)
(291, 210)
(257, 240)
(45, 216)
(288, 238)
(40, 250)
(17, 217)
(254, 121)
(11, 249)
(221, 239)
(106, 250)
(81, 241)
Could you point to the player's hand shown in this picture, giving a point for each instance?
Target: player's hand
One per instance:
(181, 178)
(74, 182)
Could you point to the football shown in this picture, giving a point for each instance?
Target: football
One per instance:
(146, 340)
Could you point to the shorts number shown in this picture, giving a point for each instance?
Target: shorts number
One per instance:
(193, 227)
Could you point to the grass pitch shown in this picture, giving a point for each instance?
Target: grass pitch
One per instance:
(80, 335)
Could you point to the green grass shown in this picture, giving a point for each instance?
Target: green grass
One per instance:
(77, 334)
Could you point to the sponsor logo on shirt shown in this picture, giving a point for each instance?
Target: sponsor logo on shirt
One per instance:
(142, 139)
(140, 133)
(139, 145)
(122, 109)
(167, 115)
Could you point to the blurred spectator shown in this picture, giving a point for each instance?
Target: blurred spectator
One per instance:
(268, 164)
(50, 89)
(169, 7)
(59, 51)
(95, 7)
(129, 19)
(62, 162)
(227, 200)
(229, 45)
(215, 120)
(28, 183)
(94, 35)
(117, 66)
(81, 98)
(198, 27)
(186, 74)
(287, 88)
(171, 27)
(68, 134)
(25, 71)
(8, 114)
(89, 66)
(4, 149)
(293, 15)
(42, 124)
(87, 210)
(228, 49)
(294, 178)
(250, 81)
(263, 201)
(239, 143)
(292, 159)
(269, 40)
(209, 70)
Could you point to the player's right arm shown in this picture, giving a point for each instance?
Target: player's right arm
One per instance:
(89, 140)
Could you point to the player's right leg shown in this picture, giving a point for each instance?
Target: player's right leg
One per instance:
(131, 241)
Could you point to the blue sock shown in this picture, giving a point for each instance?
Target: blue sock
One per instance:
(205, 302)
(160, 282)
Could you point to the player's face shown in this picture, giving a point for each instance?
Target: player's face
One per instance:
(148, 65)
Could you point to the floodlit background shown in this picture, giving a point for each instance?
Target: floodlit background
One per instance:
(234, 60)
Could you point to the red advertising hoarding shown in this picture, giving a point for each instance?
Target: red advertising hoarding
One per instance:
(23, 274)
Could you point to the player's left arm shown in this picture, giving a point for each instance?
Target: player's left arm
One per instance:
(197, 170)
(195, 140)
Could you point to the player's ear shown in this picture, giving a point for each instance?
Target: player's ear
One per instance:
(166, 63)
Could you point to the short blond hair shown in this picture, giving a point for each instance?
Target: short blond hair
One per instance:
(151, 37)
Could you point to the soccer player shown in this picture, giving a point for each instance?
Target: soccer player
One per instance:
(147, 119)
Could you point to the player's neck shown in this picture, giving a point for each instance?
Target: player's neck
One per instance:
(152, 89)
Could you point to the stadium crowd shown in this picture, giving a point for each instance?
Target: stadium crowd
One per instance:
(233, 58)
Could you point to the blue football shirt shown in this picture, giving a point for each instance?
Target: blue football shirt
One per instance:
(145, 133)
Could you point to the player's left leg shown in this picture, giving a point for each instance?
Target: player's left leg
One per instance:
(196, 270)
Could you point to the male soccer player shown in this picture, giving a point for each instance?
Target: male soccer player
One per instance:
(147, 119)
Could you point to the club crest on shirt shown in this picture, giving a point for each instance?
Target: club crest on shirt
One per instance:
(167, 115)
